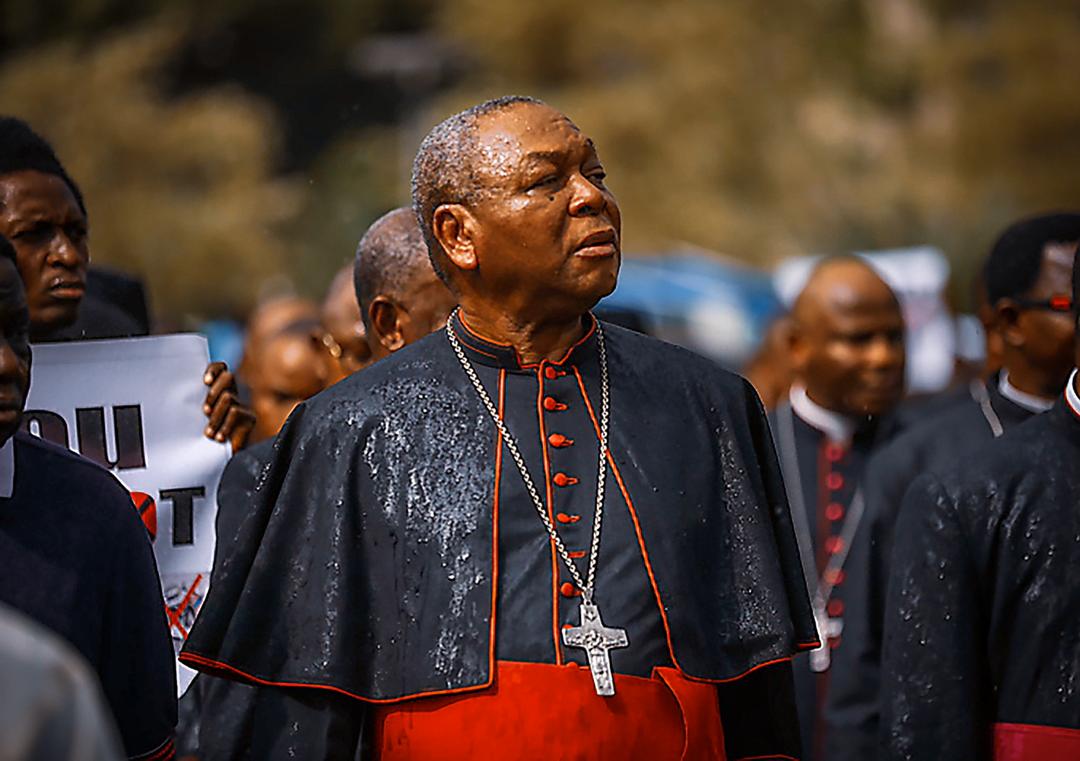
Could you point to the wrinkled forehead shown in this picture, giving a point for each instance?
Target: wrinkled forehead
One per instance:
(508, 140)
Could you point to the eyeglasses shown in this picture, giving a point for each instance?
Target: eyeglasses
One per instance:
(1052, 304)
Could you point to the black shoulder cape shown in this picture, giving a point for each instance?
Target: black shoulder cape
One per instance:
(374, 521)
(982, 619)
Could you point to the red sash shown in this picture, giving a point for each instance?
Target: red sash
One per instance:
(1032, 742)
(543, 711)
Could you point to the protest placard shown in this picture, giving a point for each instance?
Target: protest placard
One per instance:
(134, 406)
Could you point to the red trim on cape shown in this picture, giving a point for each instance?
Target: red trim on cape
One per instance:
(1034, 742)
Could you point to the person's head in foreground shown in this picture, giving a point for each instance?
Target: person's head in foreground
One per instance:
(43, 215)
(846, 339)
(401, 298)
(1028, 286)
(510, 197)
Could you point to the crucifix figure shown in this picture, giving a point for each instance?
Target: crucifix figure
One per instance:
(596, 639)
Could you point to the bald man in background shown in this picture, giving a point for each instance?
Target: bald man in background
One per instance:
(400, 296)
(846, 348)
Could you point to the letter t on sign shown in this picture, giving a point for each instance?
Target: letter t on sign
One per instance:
(183, 514)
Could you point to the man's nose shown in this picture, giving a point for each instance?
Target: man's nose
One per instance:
(64, 252)
(588, 199)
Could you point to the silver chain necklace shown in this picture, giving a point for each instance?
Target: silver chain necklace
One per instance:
(592, 635)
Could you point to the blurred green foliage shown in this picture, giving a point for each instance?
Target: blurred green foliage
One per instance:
(221, 144)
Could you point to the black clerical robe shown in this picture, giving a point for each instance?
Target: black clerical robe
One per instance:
(981, 655)
(391, 554)
(75, 556)
(935, 444)
(823, 480)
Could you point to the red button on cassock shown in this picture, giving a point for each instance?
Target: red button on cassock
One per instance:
(834, 481)
(835, 608)
(551, 373)
(552, 405)
(835, 577)
(834, 511)
(558, 440)
(834, 544)
(569, 590)
(564, 518)
(834, 452)
(561, 479)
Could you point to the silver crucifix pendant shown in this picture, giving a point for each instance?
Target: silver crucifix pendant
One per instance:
(596, 639)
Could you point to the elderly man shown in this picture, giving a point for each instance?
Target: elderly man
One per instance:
(1027, 278)
(982, 618)
(492, 544)
(75, 556)
(846, 350)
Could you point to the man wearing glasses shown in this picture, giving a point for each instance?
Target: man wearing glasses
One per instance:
(1027, 277)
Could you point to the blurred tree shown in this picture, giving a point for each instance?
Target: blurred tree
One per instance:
(180, 190)
(771, 129)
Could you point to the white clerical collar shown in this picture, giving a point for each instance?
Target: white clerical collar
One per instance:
(1029, 402)
(7, 468)
(838, 428)
(1071, 397)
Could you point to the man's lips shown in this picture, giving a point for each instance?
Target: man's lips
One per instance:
(602, 243)
(67, 289)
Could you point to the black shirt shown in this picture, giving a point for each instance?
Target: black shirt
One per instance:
(75, 556)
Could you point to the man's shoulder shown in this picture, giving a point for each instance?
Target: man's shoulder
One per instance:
(63, 464)
(924, 442)
(62, 480)
(417, 365)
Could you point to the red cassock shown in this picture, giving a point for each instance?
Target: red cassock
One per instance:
(1031, 742)
(542, 711)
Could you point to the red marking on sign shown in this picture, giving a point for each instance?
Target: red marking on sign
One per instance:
(174, 614)
(147, 509)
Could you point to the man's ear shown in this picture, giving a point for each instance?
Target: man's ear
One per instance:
(1007, 320)
(455, 228)
(385, 318)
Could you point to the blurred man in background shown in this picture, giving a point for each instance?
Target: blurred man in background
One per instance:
(401, 298)
(283, 363)
(343, 331)
(982, 619)
(1027, 280)
(75, 555)
(846, 345)
(43, 214)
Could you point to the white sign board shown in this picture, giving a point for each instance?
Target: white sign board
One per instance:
(134, 406)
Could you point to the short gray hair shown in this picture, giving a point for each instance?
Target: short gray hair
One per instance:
(387, 258)
(444, 168)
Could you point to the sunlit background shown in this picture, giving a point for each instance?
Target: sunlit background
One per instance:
(233, 149)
